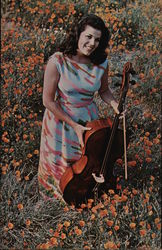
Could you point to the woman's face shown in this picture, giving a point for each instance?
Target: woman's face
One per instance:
(88, 41)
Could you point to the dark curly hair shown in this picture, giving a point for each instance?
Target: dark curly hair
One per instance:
(70, 43)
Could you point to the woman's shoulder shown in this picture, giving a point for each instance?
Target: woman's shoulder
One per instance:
(57, 59)
(57, 54)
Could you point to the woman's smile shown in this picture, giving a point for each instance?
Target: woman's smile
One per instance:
(88, 41)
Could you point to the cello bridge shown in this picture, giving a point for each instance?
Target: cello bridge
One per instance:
(99, 179)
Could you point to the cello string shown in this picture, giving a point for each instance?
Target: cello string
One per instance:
(125, 147)
(115, 125)
(125, 79)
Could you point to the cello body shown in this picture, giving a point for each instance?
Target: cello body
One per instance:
(78, 182)
(104, 144)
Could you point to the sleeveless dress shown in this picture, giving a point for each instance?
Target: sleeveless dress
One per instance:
(59, 147)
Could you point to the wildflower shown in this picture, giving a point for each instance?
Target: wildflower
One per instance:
(93, 217)
(51, 230)
(83, 205)
(126, 209)
(142, 232)
(10, 225)
(112, 208)
(103, 213)
(53, 15)
(90, 200)
(78, 231)
(109, 223)
(145, 200)
(119, 161)
(148, 151)
(109, 245)
(26, 178)
(72, 207)
(110, 232)
(158, 226)
(25, 244)
(150, 213)
(66, 209)
(28, 222)
(156, 141)
(124, 197)
(29, 155)
(99, 205)
(111, 191)
(152, 178)
(148, 143)
(20, 206)
(56, 234)
(89, 205)
(132, 225)
(147, 133)
(17, 173)
(9, 202)
(59, 226)
(132, 163)
(148, 159)
(142, 223)
(104, 196)
(141, 75)
(82, 223)
(153, 235)
(116, 227)
(87, 247)
(134, 191)
(117, 197)
(25, 136)
(94, 210)
(63, 236)
(118, 186)
(157, 220)
(114, 214)
(79, 210)
(66, 223)
(36, 151)
(53, 241)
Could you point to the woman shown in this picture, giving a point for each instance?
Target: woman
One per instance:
(72, 76)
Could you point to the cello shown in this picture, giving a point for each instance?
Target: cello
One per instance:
(92, 174)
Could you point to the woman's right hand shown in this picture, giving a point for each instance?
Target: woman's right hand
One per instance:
(79, 129)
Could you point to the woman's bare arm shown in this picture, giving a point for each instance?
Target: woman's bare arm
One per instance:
(51, 79)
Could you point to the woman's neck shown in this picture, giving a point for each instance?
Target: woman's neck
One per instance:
(80, 58)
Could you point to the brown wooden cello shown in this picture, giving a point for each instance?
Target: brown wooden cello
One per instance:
(93, 172)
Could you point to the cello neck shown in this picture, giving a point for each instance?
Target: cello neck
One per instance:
(124, 87)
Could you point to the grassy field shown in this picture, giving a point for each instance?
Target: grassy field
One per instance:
(129, 219)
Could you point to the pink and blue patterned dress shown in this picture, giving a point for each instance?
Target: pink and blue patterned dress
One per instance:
(59, 146)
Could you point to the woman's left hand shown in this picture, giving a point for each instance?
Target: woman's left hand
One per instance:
(114, 105)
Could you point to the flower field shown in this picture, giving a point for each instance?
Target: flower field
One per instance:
(128, 219)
